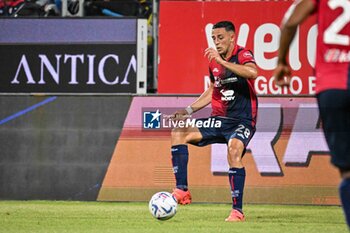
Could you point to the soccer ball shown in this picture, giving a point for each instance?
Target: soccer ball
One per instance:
(163, 206)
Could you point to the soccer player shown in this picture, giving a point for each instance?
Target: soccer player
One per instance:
(332, 76)
(234, 104)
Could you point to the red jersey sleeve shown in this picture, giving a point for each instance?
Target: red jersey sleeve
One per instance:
(245, 56)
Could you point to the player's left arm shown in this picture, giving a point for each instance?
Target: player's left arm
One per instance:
(247, 70)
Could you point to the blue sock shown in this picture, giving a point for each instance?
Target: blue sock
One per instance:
(344, 191)
(236, 179)
(180, 160)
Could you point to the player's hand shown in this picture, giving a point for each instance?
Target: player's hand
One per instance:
(179, 115)
(282, 75)
(211, 54)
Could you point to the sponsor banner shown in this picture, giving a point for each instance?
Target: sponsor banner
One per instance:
(182, 41)
(71, 55)
(57, 68)
(287, 161)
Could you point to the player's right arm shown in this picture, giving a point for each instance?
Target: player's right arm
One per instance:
(203, 100)
(296, 14)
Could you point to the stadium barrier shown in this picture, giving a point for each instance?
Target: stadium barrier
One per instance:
(287, 160)
(105, 148)
(57, 147)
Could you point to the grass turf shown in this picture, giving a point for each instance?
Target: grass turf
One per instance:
(104, 217)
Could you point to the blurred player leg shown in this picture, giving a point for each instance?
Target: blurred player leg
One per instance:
(344, 191)
(335, 117)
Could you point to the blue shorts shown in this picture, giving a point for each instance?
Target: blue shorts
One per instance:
(230, 128)
(334, 108)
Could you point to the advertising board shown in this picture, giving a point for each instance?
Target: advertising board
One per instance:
(72, 55)
(182, 41)
(287, 161)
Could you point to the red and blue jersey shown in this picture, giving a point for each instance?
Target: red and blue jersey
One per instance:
(333, 45)
(233, 96)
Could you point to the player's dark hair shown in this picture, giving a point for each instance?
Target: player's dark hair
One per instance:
(225, 24)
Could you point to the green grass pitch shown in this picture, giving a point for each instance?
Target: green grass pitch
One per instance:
(104, 217)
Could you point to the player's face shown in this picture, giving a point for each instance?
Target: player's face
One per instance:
(223, 40)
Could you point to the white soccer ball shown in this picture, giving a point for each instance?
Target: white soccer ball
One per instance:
(163, 206)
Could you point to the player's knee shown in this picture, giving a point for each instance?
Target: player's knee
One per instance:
(177, 133)
(235, 154)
